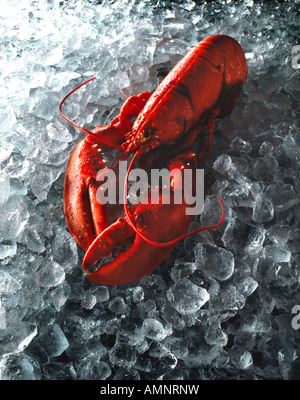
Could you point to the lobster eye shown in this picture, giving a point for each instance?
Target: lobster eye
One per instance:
(146, 134)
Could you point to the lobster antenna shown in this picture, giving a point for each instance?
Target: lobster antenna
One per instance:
(123, 156)
(86, 131)
(172, 242)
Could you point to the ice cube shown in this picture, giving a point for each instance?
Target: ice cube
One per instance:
(240, 358)
(7, 117)
(292, 85)
(186, 297)
(13, 217)
(89, 301)
(246, 285)
(265, 168)
(263, 210)
(229, 298)
(265, 270)
(2, 317)
(33, 241)
(117, 305)
(102, 294)
(123, 355)
(59, 371)
(223, 164)
(100, 371)
(215, 262)
(7, 250)
(240, 145)
(276, 254)
(59, 296)
(255, 241)
(62, 79)
(51, 274)
(64, 250)
(53, 340)
(214, 335)
(19, 367)
(282, 196)
(138, 73)
(181, 270)
(153, 329)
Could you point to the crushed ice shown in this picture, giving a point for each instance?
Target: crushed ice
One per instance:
(220, 305)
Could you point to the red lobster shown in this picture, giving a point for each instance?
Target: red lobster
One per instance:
(203, 86)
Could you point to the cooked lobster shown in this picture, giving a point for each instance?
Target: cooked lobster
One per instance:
(203, 86)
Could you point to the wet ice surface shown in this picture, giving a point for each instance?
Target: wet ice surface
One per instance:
(220, 306)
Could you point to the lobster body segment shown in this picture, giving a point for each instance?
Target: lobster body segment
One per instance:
(203, 86)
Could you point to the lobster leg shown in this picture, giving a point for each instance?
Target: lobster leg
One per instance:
(116, 130)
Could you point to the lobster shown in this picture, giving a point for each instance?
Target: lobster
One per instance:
(203, 86)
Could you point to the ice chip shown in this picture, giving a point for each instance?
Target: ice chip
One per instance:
(28, 334)
(214, 335)
(282, 195)
(19, 367)
(53, 340)
(65, 250)
(292, 85)
(50, 55)
(42, 180)
(228, 298)
(246, 285)
(240, 145)
(223, 164)
(51, 274)
(240, 358)
(265, 148)
(276, 254)
(153, 329)
(7, 118)
(123, 79)
(13, 217)
(59, 296)
(117, 305)
(123, 355)
(181, 270)
(7, 250)
(265, 270)
(215, 262)
(100, 371)
(59, 371)
(89, 301)
(8, 284)
(138, 73)
(33, 241)
(255, 241)
(186, 297)
(263, 210)
(62, 79)
(265, 168)
(2, 317)
(103, 294)
(58, 131)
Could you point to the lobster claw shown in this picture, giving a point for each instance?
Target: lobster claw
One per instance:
(139, 258)
(85, 216)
